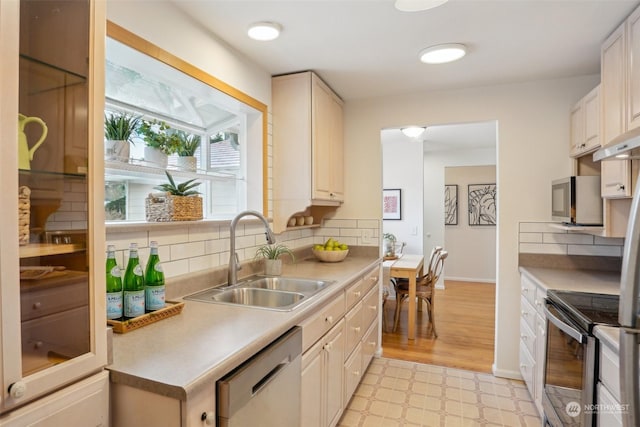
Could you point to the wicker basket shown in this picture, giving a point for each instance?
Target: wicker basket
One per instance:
(163, 207)
(24, 211)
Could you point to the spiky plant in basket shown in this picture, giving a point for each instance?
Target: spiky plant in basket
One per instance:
(184, 189)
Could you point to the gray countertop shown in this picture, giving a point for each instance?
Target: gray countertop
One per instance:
(604, 282)
(177, 355)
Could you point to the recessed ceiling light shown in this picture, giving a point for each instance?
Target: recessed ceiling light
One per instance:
(412, 131)
(264, 31)
(443, 53)
(417, 5)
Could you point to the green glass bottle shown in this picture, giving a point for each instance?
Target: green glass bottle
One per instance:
(114, 285)
(133, 301)
(154, 281)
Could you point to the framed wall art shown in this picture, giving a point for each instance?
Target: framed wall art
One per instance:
(482, 204)
(392, 204)
(451, 204)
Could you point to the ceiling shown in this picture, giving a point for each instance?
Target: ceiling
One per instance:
(367, 48)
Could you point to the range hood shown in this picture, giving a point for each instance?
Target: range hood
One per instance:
(625, 146)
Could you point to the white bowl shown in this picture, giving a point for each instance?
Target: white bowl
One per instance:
(330, 256)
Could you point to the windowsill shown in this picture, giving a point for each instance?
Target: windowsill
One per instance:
(112, 226)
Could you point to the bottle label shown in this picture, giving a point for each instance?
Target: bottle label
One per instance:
(133, 303)
(154, 298)
(158, 268)
(115, 271)
(137, 270)
(114, 305)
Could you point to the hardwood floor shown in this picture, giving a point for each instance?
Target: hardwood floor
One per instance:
(465, 317)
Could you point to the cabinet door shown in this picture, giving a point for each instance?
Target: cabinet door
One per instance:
(577, 129)
(337, 150)
(312, 387)
(591, 107)
(334, 357)
(616, 178)
(633, 70)
(612, 90)
(321, 140)
(541, 350)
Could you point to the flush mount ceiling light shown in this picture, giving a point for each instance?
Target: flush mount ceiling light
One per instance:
(413, 131)
(264, 31)
(417, 5)
(443, 53)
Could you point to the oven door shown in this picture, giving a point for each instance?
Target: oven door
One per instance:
(569, 373)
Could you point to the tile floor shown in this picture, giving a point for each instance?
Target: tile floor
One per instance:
(399, 393)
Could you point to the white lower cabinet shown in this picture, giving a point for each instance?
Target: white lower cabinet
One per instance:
(533, 340)
(332, 366)
(85, 403)
(608, 388)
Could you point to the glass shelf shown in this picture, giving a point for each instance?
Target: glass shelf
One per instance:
(46, 249)
(43, 77)
(141, 171)
(34, 173)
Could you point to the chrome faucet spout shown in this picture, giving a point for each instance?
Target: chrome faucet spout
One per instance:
(234, 264)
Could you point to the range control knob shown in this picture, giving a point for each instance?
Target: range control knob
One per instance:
(17, 389)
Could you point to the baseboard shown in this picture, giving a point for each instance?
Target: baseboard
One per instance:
(504, 373)
(470, 279)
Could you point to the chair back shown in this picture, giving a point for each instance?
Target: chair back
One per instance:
(433, 259)
(438, 266)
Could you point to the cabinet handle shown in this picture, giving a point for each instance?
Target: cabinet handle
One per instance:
(524, 313)
(17, 389)
(209, 418)
(373, 307)
(525, 290)
(356, 373)
(523, 337)
(38, 344)
(620, 187)
(328, 346)
(372, 343)
(356, 294)
(538, 303)
(329, 319)
(523, 366)
(356, 329)
(37, 305)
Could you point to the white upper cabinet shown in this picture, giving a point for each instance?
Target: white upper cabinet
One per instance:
(585, 124)
(308, 165)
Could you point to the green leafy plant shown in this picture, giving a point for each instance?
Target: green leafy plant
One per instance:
(187, 144)
(389, 236)
(119, 126)
(184, 189)
(159, 135)
(274, 252)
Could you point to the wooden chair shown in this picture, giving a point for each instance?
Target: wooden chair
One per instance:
(424, 290)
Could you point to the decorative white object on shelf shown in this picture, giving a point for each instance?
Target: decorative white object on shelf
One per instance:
(155, 156)
(187, 163)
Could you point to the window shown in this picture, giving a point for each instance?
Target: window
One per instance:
(231, 128)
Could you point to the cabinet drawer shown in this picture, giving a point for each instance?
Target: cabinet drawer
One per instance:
(369, 346)
(370, 280)
(318, 324)
(610, 370)
(51, 339)
(354, 328)
(527, 368)
(528, 313)
(528, 289)
(354, 293)
(352, 373)
(610, 414)
(370, 307)
(45, 301)
(527, 337)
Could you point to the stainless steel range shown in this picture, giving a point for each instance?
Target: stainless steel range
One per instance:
(571, 359)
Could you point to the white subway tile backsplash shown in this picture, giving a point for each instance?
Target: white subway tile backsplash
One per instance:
(352, 232)
(167, 237)
(540, 248)
(595, 250)
(204, 262)
(546, 238)
(341, 223)
(576, 239)
(187, 250)
(531, 237)
(368, 223)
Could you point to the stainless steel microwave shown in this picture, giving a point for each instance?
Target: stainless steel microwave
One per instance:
(576, 200)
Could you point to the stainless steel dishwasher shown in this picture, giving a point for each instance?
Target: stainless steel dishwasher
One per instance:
(265, 390)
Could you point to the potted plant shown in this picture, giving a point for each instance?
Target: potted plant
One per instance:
(176, 202)
(160, 141)
(118, 128)
(186, 147)
(271, 255)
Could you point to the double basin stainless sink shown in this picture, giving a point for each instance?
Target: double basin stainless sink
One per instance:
(272, 293)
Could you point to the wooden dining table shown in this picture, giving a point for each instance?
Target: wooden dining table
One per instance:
(408, 266)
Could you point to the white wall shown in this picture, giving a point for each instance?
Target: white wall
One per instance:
(402, 166)
(472, 249)
(533, 141)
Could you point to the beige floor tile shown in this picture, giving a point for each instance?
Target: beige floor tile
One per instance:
(421, 388)
(502, 390)
(378, 407)
(414, 415)
(399, 372)
(358, 403)
(453, 407)
(510, 419)
(372, 421)
(489, 400)
(365, 390)
(375, 369)
(417, 400)
(492, 415)
(528, 408)
(431, 419)
(470, 411)
(467, 384)
(435, 391)
(467, 396)
(394, 411)
(453, 421)
(434, 403)
(531, 421)
(506, 404)
(350, 418)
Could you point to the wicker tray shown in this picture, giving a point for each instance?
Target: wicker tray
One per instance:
(162, 207)
(173, 308)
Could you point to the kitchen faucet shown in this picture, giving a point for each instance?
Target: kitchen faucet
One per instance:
(234, 264)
